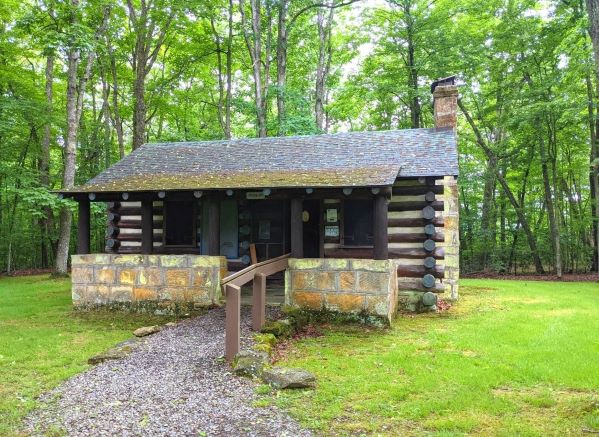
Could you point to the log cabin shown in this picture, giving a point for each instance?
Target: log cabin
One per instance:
(365, 221)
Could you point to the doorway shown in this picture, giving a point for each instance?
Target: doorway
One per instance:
(311, 228)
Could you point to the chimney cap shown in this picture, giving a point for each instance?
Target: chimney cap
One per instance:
(450, 80)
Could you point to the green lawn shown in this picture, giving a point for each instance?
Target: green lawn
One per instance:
(42, 341)
(511, 358)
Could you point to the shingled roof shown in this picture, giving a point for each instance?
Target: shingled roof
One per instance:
(331, 160)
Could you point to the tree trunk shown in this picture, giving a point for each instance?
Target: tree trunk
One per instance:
(70, 151)
(282, 67)
(593, 11)
(323, 67)
(553, 227)
(47, 222)
(487, 222)
(253, 42)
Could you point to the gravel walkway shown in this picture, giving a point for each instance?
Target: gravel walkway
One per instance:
(174, 383)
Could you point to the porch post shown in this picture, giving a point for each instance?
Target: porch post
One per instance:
(297, 228)
(83, 227)
(213, 243)
(381, 238)
(147, 227)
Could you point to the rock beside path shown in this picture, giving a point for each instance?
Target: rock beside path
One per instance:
(250, 363)
(147, 330)
(286, 377)
(118, 352)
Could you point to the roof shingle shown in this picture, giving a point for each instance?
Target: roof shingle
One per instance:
(330, 160)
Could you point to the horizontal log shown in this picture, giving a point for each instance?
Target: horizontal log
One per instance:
(136, 224)
(137, 237)
(348, 252)
(136, 210)
(416, 285)
(415, 205)
(409, 271)
(415, 238)
(417, 190)
(438, 253)
(415, 222)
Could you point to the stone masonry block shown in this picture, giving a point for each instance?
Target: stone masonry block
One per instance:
(177, 277)
(82, 275)
(205, 261)
(336, 264)
(202, 277)
(173, 261)
(371, 265)
(78, 292)
(371, 282)
(150, 276)
(325, 281)
(345, 302)
(128, 260)
(303, 280)
(144, 294)
(197, 294)
(104, 275)
(347, 281)
(121, 294)
(378, 305)
(305, 263)
(307, 299)
(127, 276)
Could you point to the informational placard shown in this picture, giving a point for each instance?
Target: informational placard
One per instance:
(331, 231)
(332, 215)
(255, 195)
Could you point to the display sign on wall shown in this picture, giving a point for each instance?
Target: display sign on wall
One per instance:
(332, 215)
(331, 231)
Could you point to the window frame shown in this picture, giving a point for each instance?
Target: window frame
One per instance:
(194, 224)
(343, 224)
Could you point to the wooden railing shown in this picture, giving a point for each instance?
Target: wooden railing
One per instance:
(232, 290)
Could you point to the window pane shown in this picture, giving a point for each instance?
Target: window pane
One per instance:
(358, 223)
(179, 223)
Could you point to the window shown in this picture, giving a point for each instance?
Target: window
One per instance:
(358, 222)
(179, 223)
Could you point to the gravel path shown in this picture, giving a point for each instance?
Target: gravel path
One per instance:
(174, 383)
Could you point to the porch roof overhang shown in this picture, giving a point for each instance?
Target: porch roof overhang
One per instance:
(355, 159)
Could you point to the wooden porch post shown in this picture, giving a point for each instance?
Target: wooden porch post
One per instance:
(83, 227)
(147, 227)
(259, 301)
(232, 321)
(381, 237)
(297, 228)
(213, 243)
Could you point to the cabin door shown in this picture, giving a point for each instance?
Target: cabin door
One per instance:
(311, 229)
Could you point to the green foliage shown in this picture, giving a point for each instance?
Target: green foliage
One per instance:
(526, 70)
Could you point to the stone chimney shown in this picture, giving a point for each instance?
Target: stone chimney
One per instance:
(445, 102)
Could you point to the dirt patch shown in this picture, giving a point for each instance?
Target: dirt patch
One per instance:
(571, 277)
(27, 272)
(282, 348)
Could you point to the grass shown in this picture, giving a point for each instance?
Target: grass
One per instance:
(511, 358)
(42, 341)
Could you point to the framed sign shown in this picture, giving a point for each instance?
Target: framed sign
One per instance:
(255, 195)
(331, 231)
(332, 215)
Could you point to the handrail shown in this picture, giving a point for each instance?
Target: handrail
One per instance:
(232, 291)
(268, 267)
